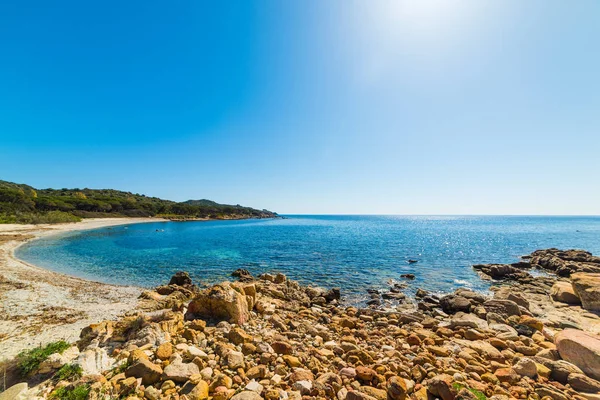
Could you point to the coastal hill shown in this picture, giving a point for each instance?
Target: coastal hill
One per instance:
(20, 203)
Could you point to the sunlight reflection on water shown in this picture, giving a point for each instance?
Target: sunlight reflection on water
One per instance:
(352, 252)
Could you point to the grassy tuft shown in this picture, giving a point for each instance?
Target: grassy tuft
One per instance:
(29, 360)
(65, 393)
(480, 395)
(68, 372)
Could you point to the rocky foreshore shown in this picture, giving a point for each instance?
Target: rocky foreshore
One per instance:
(271, 338)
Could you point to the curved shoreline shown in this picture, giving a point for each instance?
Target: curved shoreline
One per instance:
(58, 229)
(39, 305)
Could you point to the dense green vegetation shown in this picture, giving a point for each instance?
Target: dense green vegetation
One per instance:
(29, 360)
(68, 372)
(49, 217)
(24, 204)
(79, 392)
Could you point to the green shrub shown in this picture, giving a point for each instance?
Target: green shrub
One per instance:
(122, 367)
(6, 218)
(50, 217)
(65, 393)
(68, 372)
(55, 217)
(29, 360)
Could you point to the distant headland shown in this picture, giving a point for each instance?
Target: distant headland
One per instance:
(21, 203)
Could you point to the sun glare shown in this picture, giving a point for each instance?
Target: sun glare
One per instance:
(416, 34)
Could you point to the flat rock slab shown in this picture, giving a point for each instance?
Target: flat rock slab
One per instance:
(580, 349)
(16, 392)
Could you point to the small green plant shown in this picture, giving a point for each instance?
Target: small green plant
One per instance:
(29, 360)
(122, 367)
(118, 369)
(459, 386)
(68, 372)
(65, 393)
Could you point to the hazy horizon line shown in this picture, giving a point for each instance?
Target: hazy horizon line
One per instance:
(439, 215)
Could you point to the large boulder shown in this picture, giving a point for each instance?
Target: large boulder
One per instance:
(580, 349)
(474, 297)
(508, 293)
(397, 388)
(179, 371)
(193, 391)
(563, 292)
(587, 288)
(482, 347)
(558, 370)
(440, 386)
(583, 383)
(561, 369)
(461, 319)
(220, 302)
(145, 369)
(452, 304)
(526, 367)
(95, 361)
(505, 308)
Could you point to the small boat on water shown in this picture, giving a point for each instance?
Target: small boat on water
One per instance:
(411, 261)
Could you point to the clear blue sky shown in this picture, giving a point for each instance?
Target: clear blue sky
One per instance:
(403, 107)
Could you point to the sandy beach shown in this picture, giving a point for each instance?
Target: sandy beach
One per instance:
(38, 306)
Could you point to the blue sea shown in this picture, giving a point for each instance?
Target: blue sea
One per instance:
(354, 253)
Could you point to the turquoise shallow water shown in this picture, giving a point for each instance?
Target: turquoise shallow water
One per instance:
(352, 252)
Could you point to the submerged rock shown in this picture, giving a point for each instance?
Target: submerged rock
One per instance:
(181, 278)
(242, 274)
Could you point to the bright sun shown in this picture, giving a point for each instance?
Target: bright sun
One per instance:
(415, 34)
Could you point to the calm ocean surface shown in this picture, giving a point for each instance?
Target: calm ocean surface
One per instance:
(352, 252)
